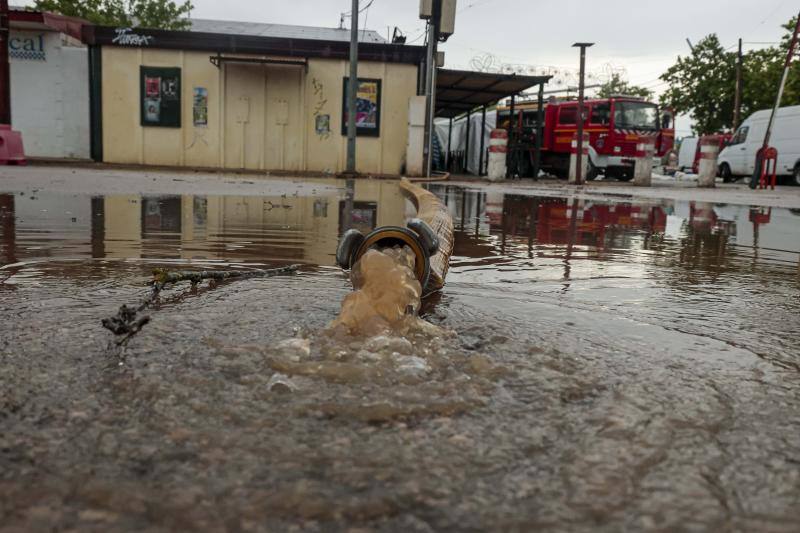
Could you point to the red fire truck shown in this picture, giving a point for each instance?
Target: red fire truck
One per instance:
(615, 126)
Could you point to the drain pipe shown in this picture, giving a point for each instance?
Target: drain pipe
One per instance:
(429, 236)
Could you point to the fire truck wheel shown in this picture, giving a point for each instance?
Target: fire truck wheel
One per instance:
(592, 173)
(796, 174)
(625, 175)
(524, 167)
(725, 173)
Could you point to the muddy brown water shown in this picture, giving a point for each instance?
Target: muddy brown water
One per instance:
(610, 366)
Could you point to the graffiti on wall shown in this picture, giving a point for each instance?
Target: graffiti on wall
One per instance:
(27, 47)
(125, 37)
(322, 121)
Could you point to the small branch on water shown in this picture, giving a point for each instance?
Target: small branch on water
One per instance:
(162, 277)
(126, 323)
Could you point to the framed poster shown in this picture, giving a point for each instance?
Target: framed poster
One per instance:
(200, 106)
(160, 96)
(368, 107)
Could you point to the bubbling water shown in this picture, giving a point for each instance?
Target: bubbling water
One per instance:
(386, 297)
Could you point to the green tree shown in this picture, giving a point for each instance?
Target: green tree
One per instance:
(762, 75)
(617, 85)
(157, 14)
(703, 83)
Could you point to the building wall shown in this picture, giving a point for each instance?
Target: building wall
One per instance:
(261, 117)
(50, 94)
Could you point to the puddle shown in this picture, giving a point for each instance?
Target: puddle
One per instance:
(604, 366)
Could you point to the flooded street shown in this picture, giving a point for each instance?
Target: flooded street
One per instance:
(604, 365)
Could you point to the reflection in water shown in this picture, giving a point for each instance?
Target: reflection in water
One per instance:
(694, 267)
(9, 232)
(495, 229)
(230, 228)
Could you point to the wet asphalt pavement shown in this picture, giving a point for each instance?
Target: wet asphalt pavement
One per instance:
(608, 365)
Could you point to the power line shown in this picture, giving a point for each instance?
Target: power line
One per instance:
(347, 14)
(471, 5)
(780, 5)
(419, 36)
(360, 10)
(366, 17)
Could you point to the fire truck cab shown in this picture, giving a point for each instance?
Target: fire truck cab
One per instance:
(615, 126)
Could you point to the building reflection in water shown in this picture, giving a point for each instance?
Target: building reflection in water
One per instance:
(490, 226)
(230, 228)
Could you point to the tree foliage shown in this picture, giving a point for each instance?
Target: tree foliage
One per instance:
(703, 83)
(617, 85)
(157, 14)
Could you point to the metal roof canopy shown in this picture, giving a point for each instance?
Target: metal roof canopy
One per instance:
(23, 19)
(459, 91)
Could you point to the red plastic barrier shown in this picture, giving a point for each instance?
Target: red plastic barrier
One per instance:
(11, 150)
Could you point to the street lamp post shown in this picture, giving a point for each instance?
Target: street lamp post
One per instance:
(579, 159)
(352, 92)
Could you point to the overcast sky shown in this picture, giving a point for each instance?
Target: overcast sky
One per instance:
(641, 37)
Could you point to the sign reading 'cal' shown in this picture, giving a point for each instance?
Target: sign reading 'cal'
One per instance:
(27, 46)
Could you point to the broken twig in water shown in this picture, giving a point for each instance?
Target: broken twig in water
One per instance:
(162, 277)
(126, 323)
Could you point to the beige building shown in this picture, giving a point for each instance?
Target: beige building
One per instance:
(248, 96)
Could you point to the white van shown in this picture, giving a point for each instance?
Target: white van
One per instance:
(686, 154)
(739, 157)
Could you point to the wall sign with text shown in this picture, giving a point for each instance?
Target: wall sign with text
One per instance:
(160, 97)
(27, 47)
(368, 107)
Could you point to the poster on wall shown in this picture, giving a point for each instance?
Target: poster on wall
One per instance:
(152, 110)
(152, 86)
(200, 106)
(161, 97)
(323, 125)
(368, 107)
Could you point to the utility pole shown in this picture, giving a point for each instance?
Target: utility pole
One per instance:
(352, 92)
(537, 154)
(5, 76)
(581, 87)
(430, 83)
(737, 104)
(789, 57)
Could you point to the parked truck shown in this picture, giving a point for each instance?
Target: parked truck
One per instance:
(615, 126)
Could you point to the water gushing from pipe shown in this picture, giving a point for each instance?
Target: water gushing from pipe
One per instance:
(386, 297)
